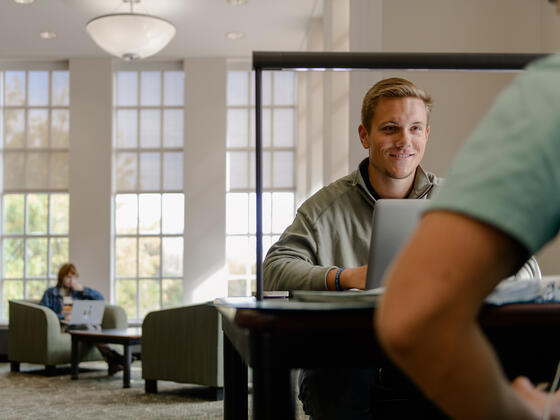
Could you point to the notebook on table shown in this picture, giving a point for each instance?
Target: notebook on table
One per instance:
(393, 222)
(86, 312)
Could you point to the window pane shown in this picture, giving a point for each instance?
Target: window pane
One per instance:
(283, 170)
(60, 125)
(173, 220)
(282, 211)
(149, 257)
(58, 253)
(13, 257)
(172, 249)
(38, 88)
(237, 88)
(284, 88)
(173, 93)
(37, 211)
(59, 213)
(149, 171)
(60, 88)
(150, 88)
(172, 292)
(237, 254)
(14, 124)
(37, 170)
(37, 257)
(126, 213)
(126, 171)
(127, 93)
(237, 127)
(265, 170)
(58, 170)
(237, 287)
(172, 128)
(150, 128)
(237, 211)
(125, 252)
(266, 128)
(14, 167)
(15, 87)
(126, 297)
(14, 213)
(12, 290)
(150, 213)
(127, 131)
(173, 171)
(284, 131)
(237, 164)
(149, 296)
(37, 126)
(35, 289)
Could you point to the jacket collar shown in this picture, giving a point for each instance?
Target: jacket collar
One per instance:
(422, 183)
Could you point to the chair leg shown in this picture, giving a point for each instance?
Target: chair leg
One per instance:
(14, 366)
(150, 386)
(50, 370)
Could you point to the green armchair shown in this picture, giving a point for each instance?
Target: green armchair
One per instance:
(184, 345)
(34, 335)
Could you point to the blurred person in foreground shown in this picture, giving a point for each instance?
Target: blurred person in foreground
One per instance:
(500, 204)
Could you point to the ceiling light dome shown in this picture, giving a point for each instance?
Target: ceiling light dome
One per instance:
(131, 35)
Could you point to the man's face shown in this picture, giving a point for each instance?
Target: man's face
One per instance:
(397, 138)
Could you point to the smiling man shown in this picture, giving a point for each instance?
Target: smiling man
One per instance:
(327, 245)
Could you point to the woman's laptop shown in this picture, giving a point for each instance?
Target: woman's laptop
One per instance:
(394, 220)
(87, 312)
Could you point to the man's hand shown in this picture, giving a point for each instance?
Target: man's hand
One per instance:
(76, 285)
(537, 399)
(351, 278)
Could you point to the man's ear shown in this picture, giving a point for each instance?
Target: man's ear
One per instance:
(363, 136)
(427, 132)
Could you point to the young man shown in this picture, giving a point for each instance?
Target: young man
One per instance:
(327, 245)
(501, 203)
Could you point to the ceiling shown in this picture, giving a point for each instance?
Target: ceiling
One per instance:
(269, 25)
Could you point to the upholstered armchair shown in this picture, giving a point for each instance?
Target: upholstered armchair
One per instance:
(184, 345)
(34, 335)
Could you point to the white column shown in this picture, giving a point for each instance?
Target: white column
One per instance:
(204, 179)
(90, 171)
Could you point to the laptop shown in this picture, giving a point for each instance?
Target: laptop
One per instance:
(87, 312)
(394, 220)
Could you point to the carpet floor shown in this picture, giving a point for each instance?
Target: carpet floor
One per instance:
(32, 395)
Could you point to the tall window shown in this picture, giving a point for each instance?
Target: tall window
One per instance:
(34, 127)
(149, 199)
(279, 132)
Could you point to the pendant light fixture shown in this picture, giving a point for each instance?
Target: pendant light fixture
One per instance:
(130, 36)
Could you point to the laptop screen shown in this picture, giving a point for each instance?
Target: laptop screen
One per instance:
(394, 220)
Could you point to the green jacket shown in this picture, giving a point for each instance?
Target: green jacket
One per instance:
(331, 229)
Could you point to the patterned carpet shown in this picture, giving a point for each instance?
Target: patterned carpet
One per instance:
(32, 395)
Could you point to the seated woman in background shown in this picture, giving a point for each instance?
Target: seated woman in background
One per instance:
(60, 297)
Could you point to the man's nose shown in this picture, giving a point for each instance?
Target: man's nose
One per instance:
(403, 138)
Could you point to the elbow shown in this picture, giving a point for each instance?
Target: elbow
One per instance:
(397, 336)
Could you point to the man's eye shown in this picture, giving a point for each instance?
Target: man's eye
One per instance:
(389, 129)
(416, 129)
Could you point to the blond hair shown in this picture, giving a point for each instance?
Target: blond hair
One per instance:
(394, 87)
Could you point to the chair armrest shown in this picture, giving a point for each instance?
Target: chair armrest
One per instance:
(34, 330)
(183, 344)
(114, 316)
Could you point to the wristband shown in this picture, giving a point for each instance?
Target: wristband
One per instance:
(337, 280)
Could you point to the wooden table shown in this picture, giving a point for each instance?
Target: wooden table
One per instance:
(275, 336)
(126, 337)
